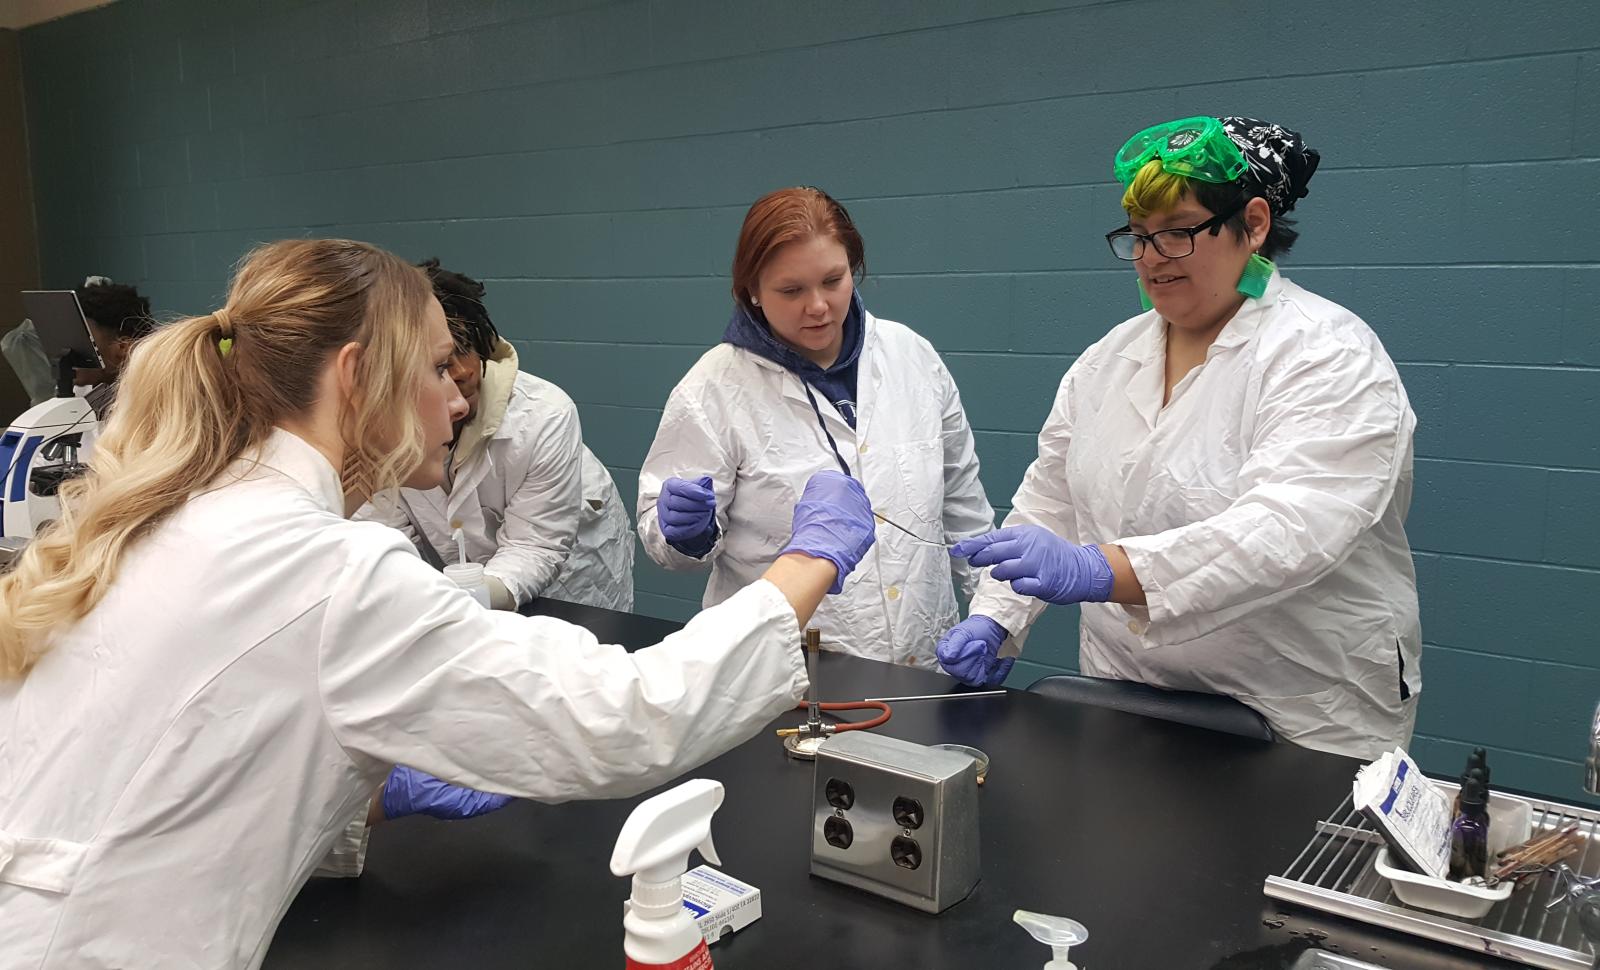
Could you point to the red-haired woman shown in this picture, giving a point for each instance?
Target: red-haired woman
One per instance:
(806, 379)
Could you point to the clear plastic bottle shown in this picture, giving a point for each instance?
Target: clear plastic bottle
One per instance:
(470, 577)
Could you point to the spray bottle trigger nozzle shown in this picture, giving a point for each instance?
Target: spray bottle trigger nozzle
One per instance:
(709, 851)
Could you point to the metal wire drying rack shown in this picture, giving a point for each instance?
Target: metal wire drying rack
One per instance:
(1334, 873)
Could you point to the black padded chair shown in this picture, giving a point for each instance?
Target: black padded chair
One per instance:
(1213, 712)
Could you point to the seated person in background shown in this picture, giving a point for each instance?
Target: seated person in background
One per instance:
(118, 317)
(538, 509)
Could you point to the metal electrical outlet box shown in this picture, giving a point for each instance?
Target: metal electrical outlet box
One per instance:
(895, 818)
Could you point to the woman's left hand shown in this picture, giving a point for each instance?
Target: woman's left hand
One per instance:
(1039, 563)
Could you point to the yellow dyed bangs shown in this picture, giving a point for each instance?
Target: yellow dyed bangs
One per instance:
(1154, 189)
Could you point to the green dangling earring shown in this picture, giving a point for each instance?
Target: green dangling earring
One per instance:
(1144, 298)
(1257, 273)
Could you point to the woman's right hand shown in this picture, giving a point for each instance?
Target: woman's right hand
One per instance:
(833, 521)
(687, 514)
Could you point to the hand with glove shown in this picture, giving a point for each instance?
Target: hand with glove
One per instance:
(1039, 563)
(968, 652)
(412, 792)
(687, 513)
(833, 521)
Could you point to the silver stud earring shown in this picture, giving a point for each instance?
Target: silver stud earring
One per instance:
(754, 301)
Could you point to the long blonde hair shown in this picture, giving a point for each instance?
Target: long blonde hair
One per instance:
(201, 392)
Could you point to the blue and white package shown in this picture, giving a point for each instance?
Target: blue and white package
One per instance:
(1412, 815)
(719, 903)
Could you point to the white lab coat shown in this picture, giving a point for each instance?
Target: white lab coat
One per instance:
(174, 768)
(537, 507)
(1262, 509)
(746, 421)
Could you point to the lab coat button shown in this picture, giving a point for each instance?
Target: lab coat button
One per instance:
(1136, 627)
(893, 592)
(863, 448)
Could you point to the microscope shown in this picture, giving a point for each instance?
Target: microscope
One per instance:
(48, 444)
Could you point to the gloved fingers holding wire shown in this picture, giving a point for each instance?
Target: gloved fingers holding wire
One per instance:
(1039, 563)
(833, 521)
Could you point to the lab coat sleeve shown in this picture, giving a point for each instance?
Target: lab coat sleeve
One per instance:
(1043, 499)
(386, 509)
(1332, 431)
(686, 446)
(967, 511)
(413, 671)
(347, 857)
(542, 508)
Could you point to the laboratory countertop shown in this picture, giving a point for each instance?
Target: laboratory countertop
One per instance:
(1156, 836)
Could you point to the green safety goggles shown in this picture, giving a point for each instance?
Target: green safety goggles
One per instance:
(1196, 148)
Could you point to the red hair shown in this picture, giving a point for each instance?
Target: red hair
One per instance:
(786, 216)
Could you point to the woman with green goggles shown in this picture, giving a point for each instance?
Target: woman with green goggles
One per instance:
(1223, 480)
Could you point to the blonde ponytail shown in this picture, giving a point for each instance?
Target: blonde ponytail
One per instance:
(201, 392)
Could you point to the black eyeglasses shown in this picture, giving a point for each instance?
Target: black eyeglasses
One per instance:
(1171, 243)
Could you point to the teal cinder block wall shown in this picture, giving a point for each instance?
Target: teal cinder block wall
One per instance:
(591, 161)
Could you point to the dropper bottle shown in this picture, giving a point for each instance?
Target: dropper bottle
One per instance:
(1469, 833)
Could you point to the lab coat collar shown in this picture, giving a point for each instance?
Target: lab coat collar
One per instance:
(1151, 343)
(1148, 348)
(494, 397)
(1247, 321)
(298, 460)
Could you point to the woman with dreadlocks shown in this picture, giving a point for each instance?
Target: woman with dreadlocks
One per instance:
(537, 507)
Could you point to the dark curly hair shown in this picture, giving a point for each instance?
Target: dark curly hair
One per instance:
(118, 308)
(462, 299)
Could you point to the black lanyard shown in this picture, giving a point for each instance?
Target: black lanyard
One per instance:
(843, 465)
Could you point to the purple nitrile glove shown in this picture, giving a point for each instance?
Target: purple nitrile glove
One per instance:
(1040, 563)
(968, 652)
(833, 521)
(412, 792)
(687, 512)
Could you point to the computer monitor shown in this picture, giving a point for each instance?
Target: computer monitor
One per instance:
(61, 325)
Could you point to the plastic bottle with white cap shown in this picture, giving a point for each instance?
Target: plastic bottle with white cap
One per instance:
(1056, 932)
(654, 847)
(468, 575)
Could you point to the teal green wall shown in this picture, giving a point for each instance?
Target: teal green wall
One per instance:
(591, 161)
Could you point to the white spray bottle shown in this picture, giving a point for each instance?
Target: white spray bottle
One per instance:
(654, 847)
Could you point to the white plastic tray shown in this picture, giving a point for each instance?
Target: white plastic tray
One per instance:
(1510, 819)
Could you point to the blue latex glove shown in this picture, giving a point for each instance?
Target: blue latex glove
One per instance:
(412, 792)
(687, 512)
(833, 521)
(967, 652)
(1042, 564)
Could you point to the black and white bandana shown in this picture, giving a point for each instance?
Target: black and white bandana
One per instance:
(1280, 163)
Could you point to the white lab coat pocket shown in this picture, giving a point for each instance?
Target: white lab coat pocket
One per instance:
(921, 500)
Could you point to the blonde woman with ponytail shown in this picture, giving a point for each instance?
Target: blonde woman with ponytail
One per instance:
(206, 669)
